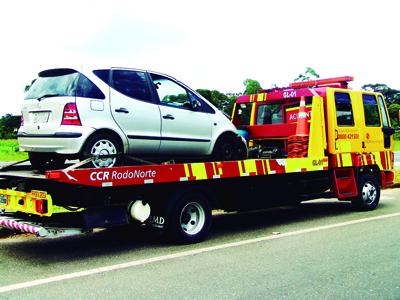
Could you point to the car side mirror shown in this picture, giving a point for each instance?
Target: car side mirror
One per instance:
(196, 104)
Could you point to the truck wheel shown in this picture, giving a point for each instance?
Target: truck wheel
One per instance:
(45, 161)
(226, 148)
(102, 144)
(188, 218)
(368, 193)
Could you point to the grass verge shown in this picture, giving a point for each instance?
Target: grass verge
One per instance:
(397, 175)
(9, 151)
(396, 145)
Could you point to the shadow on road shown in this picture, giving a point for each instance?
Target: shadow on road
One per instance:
(226, 227)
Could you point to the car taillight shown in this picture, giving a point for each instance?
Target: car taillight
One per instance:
(70, 115)
(22, 119)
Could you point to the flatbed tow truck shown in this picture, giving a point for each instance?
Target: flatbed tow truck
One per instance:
(310, 140)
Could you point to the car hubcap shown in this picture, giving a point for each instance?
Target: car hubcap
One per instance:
(101, 148)
(192, 218)
(368, 193)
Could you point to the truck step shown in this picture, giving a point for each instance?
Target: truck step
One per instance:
(345, 183)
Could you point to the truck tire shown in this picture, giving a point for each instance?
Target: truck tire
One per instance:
(188, 218)
(368, 193)
(102, 144)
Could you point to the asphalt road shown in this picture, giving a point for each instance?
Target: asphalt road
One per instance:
(319, 250)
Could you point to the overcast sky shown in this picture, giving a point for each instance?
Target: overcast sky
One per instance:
(206, 44)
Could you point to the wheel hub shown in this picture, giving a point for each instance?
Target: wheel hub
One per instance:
(103, 148)
(368, 193)
(192, 218)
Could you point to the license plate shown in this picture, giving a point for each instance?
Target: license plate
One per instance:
(41, 117)
(3, 200)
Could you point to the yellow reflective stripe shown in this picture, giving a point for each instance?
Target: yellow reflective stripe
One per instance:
(250, 166)
(264, 164)
(261, 97)
(233, 111)
(199, 171)
(297, 107)
(346, 160)
(389, 161)
(253, 112)
(217, 169)
(187, 172)
(338, 160)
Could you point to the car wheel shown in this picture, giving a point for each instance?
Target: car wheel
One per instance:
(102, 145)
(368, 193)
(227, 148)
(46, 161)
(188, 218)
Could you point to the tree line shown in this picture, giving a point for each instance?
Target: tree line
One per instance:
(9, 124)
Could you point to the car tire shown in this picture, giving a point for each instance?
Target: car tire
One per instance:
(228, 148)
(102, 144)
(46, 161)
(188, 218)
(368, 193)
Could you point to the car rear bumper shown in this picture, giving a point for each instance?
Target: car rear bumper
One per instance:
(59, 142)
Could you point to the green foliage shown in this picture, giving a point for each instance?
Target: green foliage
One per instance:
(221, 101)
(391, 95)
(205, 93)
(396, 146)
(9, 125)
(309, 74)
(252, 86)
(228, 109)
(393, 110)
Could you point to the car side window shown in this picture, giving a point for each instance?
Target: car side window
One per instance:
(131, 83)
(170, 93)
(344, 111)
(87, 89)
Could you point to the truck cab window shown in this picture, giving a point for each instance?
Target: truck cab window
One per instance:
(344, 111)
(269, 114)
(371, 111)
(385, 119)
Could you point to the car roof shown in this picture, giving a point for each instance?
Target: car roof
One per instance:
(89, 68)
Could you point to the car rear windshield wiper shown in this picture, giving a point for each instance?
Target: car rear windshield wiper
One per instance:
(47, 96)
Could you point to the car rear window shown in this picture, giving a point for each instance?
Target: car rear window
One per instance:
(63, 82)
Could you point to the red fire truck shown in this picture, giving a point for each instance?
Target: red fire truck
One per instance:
(310, 140)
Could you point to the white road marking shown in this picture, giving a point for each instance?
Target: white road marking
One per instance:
(29, 284)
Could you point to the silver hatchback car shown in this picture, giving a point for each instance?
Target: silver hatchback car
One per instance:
(71, 113)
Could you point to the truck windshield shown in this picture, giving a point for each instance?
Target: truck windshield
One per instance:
(242, 114)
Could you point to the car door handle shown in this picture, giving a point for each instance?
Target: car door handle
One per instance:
(169, 117)
(122, 110)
